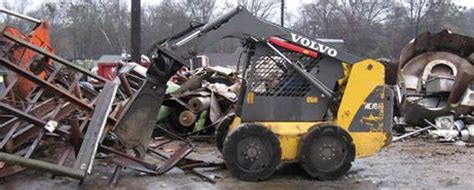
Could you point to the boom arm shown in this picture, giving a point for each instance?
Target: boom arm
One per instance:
(136, 124)
(240, 23)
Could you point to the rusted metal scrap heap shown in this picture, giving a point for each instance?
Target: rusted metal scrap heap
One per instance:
(436, 78)
(201, 100)
(45, 102)
(56, 116)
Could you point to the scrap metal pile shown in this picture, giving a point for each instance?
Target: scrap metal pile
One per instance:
(45, 102)
(200, 101)
(437, 85)
(56, 116)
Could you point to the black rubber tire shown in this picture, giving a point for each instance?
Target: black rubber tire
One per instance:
(344, 154)
(268, 148)
(222, 129)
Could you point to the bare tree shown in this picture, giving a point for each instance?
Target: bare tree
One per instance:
(200, 10)
(416, 12)
(21, 7)
(362, 19)
(163, 20)
(319, 19)
(428, 14)
(411, 17)
(264, 9)
(55, 15)
(357, 22)
(468, 24)
(114, 24)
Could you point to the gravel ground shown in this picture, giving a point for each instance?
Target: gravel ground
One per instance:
(412, 163)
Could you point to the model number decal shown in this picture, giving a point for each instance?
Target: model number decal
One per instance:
(373, 106)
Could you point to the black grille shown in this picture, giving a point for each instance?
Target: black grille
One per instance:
(271, 76)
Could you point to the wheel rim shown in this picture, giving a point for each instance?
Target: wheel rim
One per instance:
(253, 154)
(328, 153)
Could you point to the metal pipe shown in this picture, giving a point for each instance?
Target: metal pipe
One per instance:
(208, 178)
(210, 26)
(199, 104)
(41, 165)
(431, 125)
(411, 133)
(188, 38)
(187, 118)
(22, 16)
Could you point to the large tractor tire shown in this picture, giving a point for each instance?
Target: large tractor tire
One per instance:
(252, 152)
(326, 152)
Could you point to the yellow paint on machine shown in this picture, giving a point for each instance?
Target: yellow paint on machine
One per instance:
(289, 134)
(363, 78)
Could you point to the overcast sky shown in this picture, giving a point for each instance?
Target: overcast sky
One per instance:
(294, 5)
(291, 5)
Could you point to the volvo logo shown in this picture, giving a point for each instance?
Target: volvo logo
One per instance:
(313, 45)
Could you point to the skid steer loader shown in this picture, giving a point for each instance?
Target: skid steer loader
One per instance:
(302, 100)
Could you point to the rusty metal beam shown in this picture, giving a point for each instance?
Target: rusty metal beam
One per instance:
(76, 134)
(37, 80)
(54, 57)
(24, 136)
(126, 156)
(65, 110)
(22, 115)
(95, 129)
(11, 130)
(8, 136)
(44, 107)
(182, 152)
(124, 83)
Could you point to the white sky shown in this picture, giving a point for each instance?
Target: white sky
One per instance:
(292, 6)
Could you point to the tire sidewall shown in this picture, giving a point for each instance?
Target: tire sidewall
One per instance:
(230, 151)
(326, 130)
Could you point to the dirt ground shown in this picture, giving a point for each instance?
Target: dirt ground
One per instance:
(412, 163)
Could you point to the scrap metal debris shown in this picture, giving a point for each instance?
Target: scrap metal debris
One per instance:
(200, 100)
(437, 82)
(45, 102)
(52, 103)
